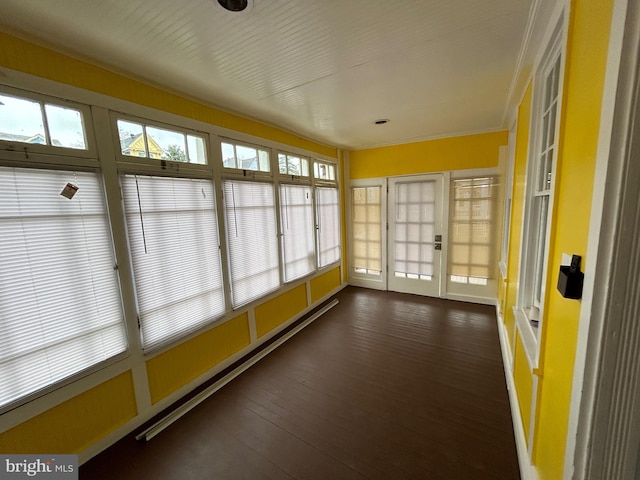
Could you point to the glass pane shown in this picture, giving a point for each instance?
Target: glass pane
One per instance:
(66, 128)
(263, 158)
(304, 167)
(282, 163)
(166, 144)
(247, 158)
(21, 121)
(196, 150)
(228, 155)
(131, 139)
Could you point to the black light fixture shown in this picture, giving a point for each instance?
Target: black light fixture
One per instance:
(234, 5)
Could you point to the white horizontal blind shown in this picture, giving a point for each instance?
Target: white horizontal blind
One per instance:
(296, 208)
(252, 239)
(173, 237)
(60, 307)
(328, 208)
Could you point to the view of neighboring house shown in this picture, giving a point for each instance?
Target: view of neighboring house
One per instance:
(38, 139)
(134, 146)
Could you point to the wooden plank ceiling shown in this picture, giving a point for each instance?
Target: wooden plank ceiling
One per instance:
(323, 69)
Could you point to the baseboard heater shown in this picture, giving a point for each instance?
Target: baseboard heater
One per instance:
(183, 409)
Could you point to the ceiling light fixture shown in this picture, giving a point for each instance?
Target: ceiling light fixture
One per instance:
(234, 5)
(382, 121)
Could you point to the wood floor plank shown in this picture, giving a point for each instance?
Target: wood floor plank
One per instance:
(384, 385)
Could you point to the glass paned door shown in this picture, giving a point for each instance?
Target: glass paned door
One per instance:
(415, 235)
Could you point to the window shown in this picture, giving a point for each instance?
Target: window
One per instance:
(296, 212)
(138, 139)
(173, 238)
(60, 306)
(245, 157)
(293, 165)
(367, 230)
(324, 171)
(328, 226)
(39, 122)
(252, 239)
(471, 236)
(539, 196)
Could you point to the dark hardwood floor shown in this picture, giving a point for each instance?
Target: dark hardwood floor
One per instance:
(383, 386)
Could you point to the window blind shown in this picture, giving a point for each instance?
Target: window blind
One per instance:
(60, 307)
(367, 230)
(174, 243)
(252, 240)
(415, 218)
(328, 211)
(296, 210)
(472, 224)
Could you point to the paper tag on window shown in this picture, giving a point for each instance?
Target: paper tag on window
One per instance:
(69, 191)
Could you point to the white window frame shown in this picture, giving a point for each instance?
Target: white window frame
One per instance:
(228, 207)
(228, 171)
(25, 151)
(470, 288)
(534, 254)
(289, 231)
(187, 323)
(152, 164)
(378, 282)
(291, 177)
(70, 160)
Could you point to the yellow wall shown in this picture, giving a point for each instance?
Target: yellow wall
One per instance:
(280, 309)
(588, 42)
(325, 284)
(175, 368)
(76, 424)
(441, 155)
(23, 56)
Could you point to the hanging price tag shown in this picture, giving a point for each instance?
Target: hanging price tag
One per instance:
(69, 191)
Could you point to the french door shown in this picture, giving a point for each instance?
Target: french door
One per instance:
(415, 235)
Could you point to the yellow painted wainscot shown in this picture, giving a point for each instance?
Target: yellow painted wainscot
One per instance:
(278, 310)
(185, 362)
(74, 425)
(325, 284)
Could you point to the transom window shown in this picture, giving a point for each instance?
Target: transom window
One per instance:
(149, 141)
(245, 157)
(40, 122)
(324, 171)
(293, 165)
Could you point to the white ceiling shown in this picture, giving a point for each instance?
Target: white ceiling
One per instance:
(325, 69)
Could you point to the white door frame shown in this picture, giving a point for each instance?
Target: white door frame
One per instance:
(603, 438)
